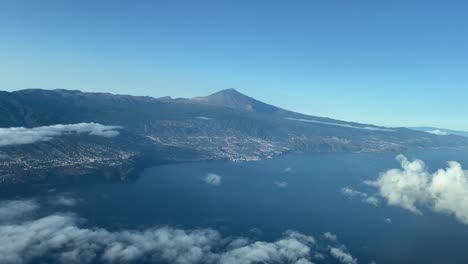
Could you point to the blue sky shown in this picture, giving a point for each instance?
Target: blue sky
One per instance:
(394, 63)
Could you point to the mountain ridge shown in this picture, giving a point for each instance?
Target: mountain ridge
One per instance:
(158, 131)
(222, 98)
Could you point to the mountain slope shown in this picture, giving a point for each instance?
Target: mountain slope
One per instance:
(231, 98)
(224, 126)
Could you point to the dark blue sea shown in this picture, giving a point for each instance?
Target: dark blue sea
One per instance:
(250, 202)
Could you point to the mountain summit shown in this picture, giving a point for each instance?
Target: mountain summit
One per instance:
(231, 98)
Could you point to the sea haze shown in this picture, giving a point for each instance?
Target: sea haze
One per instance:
(261, 200)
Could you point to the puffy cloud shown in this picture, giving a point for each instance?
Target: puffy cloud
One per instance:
(64, 238)
(413, 186)
(292, 248)
(437, 132)
(288, 170)
(213, 179)
(59, 237)
(342, 256)
(365, 198)
(281, 184)
(388, 220)
(21, 135)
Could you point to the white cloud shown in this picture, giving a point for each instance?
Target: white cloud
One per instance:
(213, 179)
(203, 118)
(437, 132)
(17, 209)
(339, 251)
(26, 237)
(21, 135)
(64, 199)
(281, 184)
(343, 256)
(292, 248)
(365, 198)
(339, 124)
(330, 236)
(288, 170)
(388, 220)
(61, 238)
(413, 186)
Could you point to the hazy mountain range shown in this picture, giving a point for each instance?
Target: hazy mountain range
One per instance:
(113, 135)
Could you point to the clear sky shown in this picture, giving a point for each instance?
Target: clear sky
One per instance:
(394, 63)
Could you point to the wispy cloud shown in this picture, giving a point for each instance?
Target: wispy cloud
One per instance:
(17, 209)
(437, 132)
(64, 199)
(339, 124)
(343, 256)
(413, 187)
(21, 135)
(330, 236)
(281, 184)
(203, 118)
(365, 198)
(338, 250)
(213, 179)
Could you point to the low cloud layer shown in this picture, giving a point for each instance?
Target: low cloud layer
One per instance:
(413, 187)
(339, 124)
(213, 179)
(364, 197)
(27, 237)
(21, 135)
(61, 238)
(437, 132)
